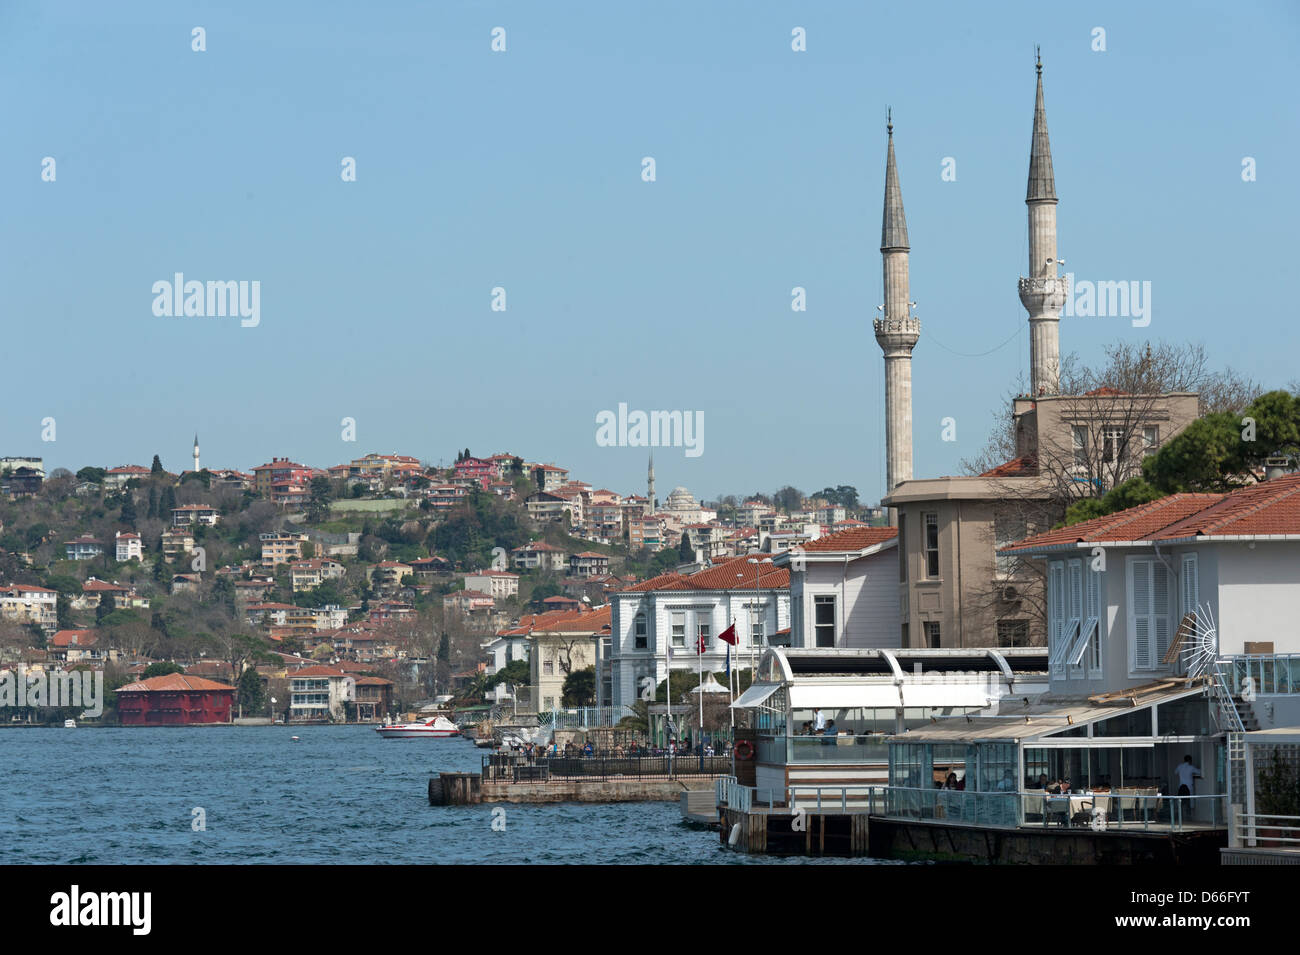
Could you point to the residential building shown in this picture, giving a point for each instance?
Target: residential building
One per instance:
(24, 603)
(194, 514)
(539, 555)
(174, 700)
(374, 698)
(672, 613)
(319, 693)
(844, 590)
(560, 643)
(79, 646)
(545, 507)
(588, 564)
(177, 542)
(282, 472)
(84, 547)
(548, 476)
(498, 583)
(310, 574)
(388, 575)
(117, 477)
(281, 549)
(128, 546)
(468, 603)
(646, 532)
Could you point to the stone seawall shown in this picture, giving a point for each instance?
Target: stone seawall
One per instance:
(897, 839)
(459, 789)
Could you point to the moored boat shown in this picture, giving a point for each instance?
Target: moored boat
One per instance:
(435, 727)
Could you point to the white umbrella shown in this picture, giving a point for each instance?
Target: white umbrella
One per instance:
(710, 685)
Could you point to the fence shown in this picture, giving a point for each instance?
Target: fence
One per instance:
(1116, 810)
(516, 767)
(1257, 830)
(1269, 673)
(583, 717)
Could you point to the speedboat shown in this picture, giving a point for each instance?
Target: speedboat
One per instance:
(435, 727)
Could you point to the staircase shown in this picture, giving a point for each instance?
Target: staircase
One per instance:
(1246, 712)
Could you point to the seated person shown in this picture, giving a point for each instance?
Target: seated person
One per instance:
(1043, 784)
(1008, 782)
(828, 734)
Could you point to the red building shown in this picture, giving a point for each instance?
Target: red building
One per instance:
(174, 700)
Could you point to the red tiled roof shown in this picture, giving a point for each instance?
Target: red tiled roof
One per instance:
(173, 681)
(316, 671)
(1266, 509)
(95, 586)
(1024, 466)
(851, 539)
(1133, 524)
(735, 574)
(74, 638)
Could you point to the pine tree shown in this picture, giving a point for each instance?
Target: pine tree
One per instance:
(153, 501)
(156, 467)
(128, 510)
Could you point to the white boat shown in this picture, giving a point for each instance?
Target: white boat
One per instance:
(69, 724)
(435, 727)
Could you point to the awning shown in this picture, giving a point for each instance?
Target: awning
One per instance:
(755, 695)
(843, 696)
(946, 694)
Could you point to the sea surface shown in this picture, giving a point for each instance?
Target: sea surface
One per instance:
(106, 795)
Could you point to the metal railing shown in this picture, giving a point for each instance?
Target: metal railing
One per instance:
(1259, 830)
(1117, 810)
(518, 767)
(1269, 672)
(583, 717)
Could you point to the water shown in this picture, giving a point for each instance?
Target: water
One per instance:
(341, 795)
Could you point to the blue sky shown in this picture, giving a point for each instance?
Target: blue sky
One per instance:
(522, 170)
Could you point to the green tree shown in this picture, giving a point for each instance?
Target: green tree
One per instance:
(128, 510)
(156, 468)
(153, 502)
(685, 552)
(514, 673)
(318, 501)
(580, 688)
(63, 609)
(92, 475)
(252, 695)
(1215, 453)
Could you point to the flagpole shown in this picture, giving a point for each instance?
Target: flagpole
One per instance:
(699, 691)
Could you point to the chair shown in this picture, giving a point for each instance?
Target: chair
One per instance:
(1036, 805)
(1101, 806)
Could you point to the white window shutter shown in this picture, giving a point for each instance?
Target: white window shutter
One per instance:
(1140, 612)
(1160, 609)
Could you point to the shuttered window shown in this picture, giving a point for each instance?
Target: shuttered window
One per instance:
(1056, 612)
(1149, 612)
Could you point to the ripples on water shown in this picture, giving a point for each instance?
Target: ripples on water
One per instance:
(117, 795)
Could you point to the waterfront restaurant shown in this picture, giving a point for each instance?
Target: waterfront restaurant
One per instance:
(860, 698)
(1119, 753)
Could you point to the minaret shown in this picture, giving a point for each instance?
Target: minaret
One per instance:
(1043, 291)
(196, 454)
(650, 487)
(897, 332)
